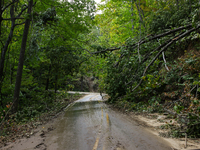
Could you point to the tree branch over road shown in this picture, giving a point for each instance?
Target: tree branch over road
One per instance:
(164, 49)
(145, 40)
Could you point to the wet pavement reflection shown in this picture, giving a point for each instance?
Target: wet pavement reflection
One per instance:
(93, 126)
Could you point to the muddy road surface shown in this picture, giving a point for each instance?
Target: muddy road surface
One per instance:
(89, 124)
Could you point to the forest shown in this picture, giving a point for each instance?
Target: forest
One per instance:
(145, 54)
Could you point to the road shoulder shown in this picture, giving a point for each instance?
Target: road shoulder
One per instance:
(154, 122)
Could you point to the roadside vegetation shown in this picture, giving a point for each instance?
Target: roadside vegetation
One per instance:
(24, 122)
(152, 58)
(41, 53)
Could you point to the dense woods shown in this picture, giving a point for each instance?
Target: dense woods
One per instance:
(151, 51)
(41, 51)
(143, 53)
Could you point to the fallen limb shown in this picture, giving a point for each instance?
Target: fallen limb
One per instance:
(162, 50)
(182, 96)
(142, 41)
(163, 53)
(166, 33)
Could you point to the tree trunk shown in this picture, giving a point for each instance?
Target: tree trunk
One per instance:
(190, 5)
(1, 12)
(56, 83)
(11, 73)
(47, 81)
(47, 84)
(81, 83)
(21, 59)
(4, 50)
(5, 47)
(139, 12)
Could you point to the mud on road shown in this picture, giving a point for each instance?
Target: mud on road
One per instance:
(89, 124)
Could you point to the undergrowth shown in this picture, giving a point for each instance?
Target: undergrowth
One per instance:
(175, 92)
(29, 117)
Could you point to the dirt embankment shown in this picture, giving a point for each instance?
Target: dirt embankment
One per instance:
(159, 124)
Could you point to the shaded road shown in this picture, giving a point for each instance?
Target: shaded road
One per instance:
(89, 124)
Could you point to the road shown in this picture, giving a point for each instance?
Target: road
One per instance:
(89, 124)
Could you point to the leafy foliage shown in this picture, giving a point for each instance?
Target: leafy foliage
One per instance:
(53, 53)
(155, 65)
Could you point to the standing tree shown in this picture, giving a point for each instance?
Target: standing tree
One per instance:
(13, 18)
(21, 58)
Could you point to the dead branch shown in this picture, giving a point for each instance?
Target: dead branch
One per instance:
(6, 115)
(186, 120)
(149, 54)
(139, 12)
(8, 5)
(12, 18)
(197, 90)
(139, 52)
(163, 53)
(182, 96)
(142, 41)
(166, 33)
(147, 40)
(162, 50)
(22, 11)
(122, 55)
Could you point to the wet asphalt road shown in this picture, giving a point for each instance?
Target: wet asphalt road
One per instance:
(89, 124)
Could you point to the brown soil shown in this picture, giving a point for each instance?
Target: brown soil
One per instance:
(33, 141)
(155, 121)
(156, 124)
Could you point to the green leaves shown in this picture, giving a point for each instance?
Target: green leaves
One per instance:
(178, 108)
